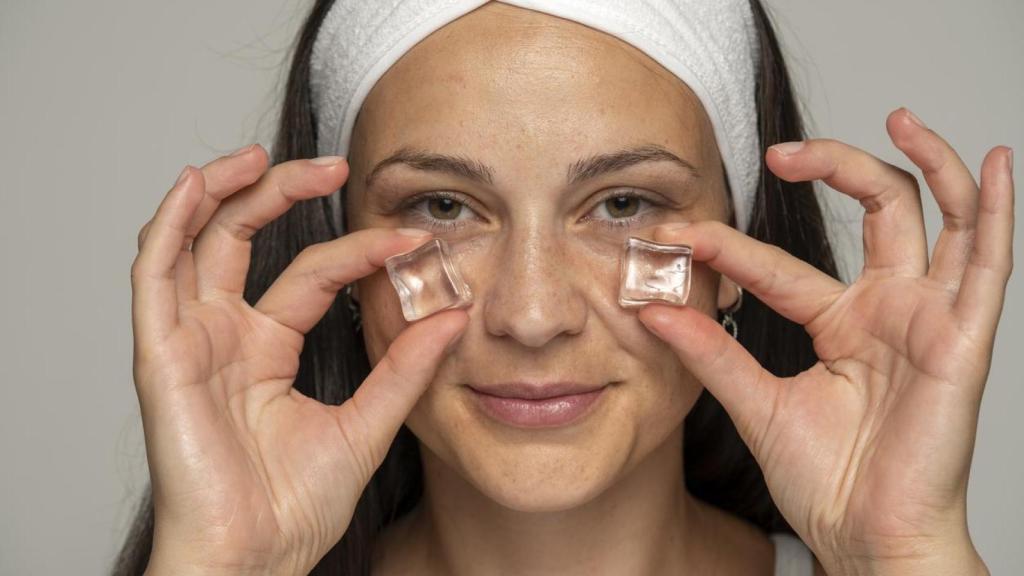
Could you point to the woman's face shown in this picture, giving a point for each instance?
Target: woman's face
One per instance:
(525, 99)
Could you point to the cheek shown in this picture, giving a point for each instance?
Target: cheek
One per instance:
(597, 263)
(670, 390)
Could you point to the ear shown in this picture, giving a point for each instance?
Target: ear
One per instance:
(728, 293)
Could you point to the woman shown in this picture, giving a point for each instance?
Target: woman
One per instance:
(273, 447)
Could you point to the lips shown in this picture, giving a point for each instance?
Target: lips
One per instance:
(532, 391)
(527, 405)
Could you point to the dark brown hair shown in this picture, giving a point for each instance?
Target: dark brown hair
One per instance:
(719, 468)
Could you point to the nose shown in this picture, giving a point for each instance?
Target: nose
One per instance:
(534, 294)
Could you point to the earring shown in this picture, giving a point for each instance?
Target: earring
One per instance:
(728, 322)
(353, 308)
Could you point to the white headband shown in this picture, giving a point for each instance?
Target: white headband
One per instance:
(711, 45)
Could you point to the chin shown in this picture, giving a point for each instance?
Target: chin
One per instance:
(533, 477)
(528, 470)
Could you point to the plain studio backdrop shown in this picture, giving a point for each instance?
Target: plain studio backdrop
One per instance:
(102, 103)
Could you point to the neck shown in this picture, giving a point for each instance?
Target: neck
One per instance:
(645, 523)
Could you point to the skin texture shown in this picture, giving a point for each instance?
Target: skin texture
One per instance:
(867, 453)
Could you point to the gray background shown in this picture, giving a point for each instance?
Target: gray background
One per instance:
(103, 102)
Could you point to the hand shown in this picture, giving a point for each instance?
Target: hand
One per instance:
(867, 453)
(247, 473)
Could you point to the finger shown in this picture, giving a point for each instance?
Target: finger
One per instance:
(894, 235)
(223, 177)
(143, 232)
(372, 417)
(983, 289)
(184, 267)
(787, 284)
(301, 295)
(154, 302)
(226, 175)
(954, 189)
(222, 248)
(745, 389)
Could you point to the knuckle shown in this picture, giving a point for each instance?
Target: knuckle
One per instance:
(877, 182)
(308, 262)
(888, 185)
(1004, 266)
(136, 270)
(233, 229)
(767, 283)
(143, 232)
(307, 256)
(998, 266)
(280, 184)
(908, 178)
(391, 367)
(322, 282)
(829, 148)
(310, 253)
(957, 223)
(941, 161)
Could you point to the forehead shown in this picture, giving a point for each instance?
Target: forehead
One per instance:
(508, 82)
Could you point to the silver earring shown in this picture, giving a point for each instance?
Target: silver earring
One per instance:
(353, 308)
(728, 322)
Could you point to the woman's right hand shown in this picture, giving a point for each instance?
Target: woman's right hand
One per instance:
(248, 474)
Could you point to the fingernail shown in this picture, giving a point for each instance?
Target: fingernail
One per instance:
(1009, 160)
(787, 148)
(673, 226)
(656, 319)
(414, 232)
(665, 231)
(913, 118)
(327, 160)
(183, 176)
(240, 151)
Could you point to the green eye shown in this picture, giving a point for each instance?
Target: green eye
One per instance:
(622, 206)
(444, 208)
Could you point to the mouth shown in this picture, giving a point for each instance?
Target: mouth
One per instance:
(529, 405)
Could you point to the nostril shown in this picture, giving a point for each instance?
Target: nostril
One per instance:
(534, 327)
(533, 313)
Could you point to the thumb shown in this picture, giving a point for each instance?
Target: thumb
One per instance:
(734, 377)
(370, 419)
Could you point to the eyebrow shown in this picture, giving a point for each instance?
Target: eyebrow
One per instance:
(583, 169)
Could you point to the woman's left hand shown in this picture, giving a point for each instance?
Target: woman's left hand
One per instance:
(867, 453)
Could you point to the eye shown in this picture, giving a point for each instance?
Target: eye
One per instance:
(438, 210)
(622, 206)
(444, 208)
(622, 209)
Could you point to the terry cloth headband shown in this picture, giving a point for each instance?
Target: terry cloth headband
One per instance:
(711, 45)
